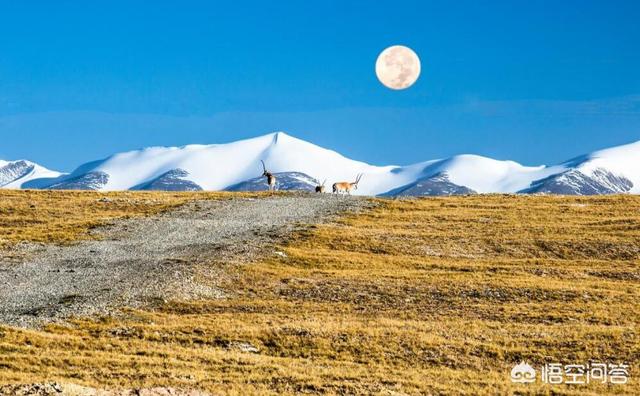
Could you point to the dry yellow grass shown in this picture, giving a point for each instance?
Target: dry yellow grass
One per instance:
(67, 216)
(437, 296)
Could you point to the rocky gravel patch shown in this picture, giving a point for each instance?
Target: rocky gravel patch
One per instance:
(56, 389)
(172, 256)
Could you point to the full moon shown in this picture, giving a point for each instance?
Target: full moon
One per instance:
(398, 67)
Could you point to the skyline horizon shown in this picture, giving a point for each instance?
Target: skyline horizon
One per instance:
(531, 82)
(336, 150)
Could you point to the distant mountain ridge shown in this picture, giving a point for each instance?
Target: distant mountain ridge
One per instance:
(15, 174)
(299, 165)
(435, 185)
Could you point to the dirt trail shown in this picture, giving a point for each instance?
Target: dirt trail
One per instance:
(142, 261)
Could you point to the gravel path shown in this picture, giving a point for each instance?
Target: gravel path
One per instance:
(143, 261)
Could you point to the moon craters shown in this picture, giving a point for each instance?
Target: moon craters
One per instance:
(398, 67)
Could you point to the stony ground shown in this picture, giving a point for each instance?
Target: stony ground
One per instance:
(56, 389)
(144, 261)
(412, 297)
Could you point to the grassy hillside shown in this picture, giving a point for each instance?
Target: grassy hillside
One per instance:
(67, 216)
(440, 295)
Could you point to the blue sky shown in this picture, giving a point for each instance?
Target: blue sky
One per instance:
(537, 82)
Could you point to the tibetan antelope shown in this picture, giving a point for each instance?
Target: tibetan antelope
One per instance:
(346, 187)
(271, 179)
(320, 187)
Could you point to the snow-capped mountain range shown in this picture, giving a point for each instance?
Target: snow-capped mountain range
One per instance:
(298, 164)
(15, 174)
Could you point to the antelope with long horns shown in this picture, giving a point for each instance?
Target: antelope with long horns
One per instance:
(346, 187)
(271, 179)
(320, 187)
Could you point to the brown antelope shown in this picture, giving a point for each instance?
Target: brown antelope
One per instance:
(271, 179)
(346, 187)
(320, 187)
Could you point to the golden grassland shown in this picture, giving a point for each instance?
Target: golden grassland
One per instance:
(68, 216)
(424, 296)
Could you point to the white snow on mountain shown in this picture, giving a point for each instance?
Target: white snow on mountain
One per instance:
(237, 164)
(15, 174)
(485, 175)
(218, 166)
(621, 161)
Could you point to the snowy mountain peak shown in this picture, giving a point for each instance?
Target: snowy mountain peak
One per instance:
(278, 135)
(298, 164)
(619, 160)
(18, 174)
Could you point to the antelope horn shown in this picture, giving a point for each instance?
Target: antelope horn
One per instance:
(263, 166)
(325, 180)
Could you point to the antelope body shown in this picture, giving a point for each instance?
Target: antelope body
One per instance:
(320, 187)
(271, 179)
(346, 187)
